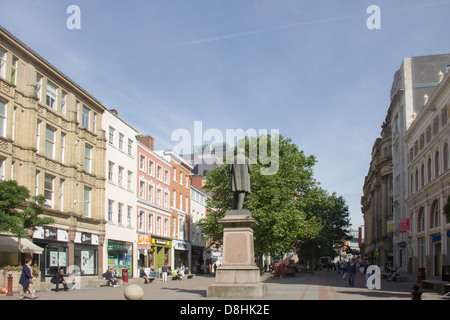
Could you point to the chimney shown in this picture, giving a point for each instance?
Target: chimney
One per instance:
(147, 140)
(114, 112)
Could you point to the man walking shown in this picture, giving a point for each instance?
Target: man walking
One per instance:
(351, 272)
(164, 272)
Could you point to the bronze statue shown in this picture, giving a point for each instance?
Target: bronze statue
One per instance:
(240, 178)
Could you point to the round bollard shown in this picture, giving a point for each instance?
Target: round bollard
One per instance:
(133, 292)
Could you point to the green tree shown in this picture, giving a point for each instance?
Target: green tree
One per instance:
(333, 212)
(19, 212)
(277, 200)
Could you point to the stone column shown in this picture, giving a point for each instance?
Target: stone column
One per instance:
(238, 276)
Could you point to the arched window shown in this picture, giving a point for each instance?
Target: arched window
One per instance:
(420, 221)
(411, 186)
(422, 175)
(435, 220)
(445, 157)
(436, 164)
(429, 169)
(416, 177)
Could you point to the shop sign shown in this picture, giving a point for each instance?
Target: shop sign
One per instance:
(403, 225)
(436, 238)
(144, 241)
(51, 234)
(86, 238)
(390, 226)
(161, 242)
(180, 245)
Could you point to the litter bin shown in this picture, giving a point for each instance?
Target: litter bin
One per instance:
(420, 275)
(125, 276)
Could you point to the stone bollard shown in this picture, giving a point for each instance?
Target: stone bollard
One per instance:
(133, 292)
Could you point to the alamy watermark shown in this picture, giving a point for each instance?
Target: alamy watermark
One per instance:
(219, 146)
(374, 277)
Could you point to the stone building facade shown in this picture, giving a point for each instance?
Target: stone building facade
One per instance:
(52, 142)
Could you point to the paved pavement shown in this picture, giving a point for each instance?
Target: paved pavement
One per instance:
(322, 285)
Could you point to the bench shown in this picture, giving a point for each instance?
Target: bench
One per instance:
(385, 275)
(190, 276)
(142, 280)
(435, 285)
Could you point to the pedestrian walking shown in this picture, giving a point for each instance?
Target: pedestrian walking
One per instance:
(26, 280)
(351, 271)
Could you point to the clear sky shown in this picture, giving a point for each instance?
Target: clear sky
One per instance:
(311, 69)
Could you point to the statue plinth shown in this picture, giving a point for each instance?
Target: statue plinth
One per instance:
(238, 276)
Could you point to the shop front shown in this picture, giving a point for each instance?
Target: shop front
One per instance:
(120, 256)
(161, 252)
(86, 253)
(55, 256)
(182, 253)
(197, 259)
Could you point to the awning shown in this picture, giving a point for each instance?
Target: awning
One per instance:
(11, 244)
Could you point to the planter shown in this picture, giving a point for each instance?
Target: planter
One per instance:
(16, 276)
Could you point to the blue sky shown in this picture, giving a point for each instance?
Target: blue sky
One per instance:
(311, 69)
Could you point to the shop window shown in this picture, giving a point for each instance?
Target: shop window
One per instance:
(86, 259)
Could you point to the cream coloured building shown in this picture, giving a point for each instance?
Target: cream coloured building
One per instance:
(427, 141)
(52, 142)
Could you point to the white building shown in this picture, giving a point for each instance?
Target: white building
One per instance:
(120, 250)
(427, 142)
(413, 83)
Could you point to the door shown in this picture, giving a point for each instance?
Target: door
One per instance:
(437, 258)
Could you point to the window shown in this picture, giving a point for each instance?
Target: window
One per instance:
(87, 202)
(38, 86)
(435, 220)
(159, 173)
(2, 169)
(121, 136)
(141, 220)
(2, 119)
(149, 223)
(129, 211)
(142, 162)
(50, 142)
(445, 158)
(2, 63)
(180, 228)
(158, 225)
(174, 174)
(420, 221)
(119, 213)
(63, 102)
(110, 170)
(48, 190)
(187, 182)
(129, 179)
(85, 117)
(130, 147)
(50, 98)
(63, 148)
(61, 194)
(120, 178)
(181, 178)
(151, 168)
(150, 193)
(111, 135)
(166, 227)
(181, 202)
(186, 203)
(436, 164)
(174, 220)
(110, 210)
(141, 189)
(14, 70)
(158, 197)
(87, 158)
(422, 175)
(429, 169)
(174, 198)
(166, 200)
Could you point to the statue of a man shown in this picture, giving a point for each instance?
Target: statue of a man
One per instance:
(240, 178)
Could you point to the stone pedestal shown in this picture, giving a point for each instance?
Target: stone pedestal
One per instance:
(238, 276)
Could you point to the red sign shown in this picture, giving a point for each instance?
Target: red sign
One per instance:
(403, 225)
